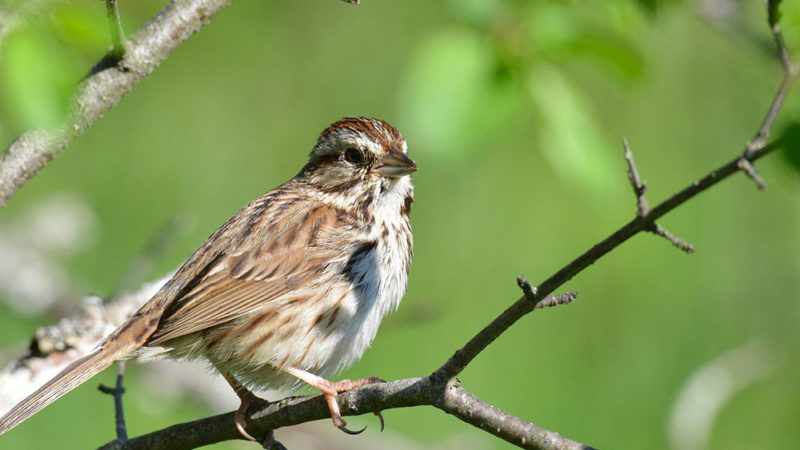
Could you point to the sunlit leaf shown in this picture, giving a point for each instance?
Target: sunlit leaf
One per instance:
(569, 135)
(37, 78)
(549, 24)
(475, 11)
(596, 34)
(790, 23)
(453, 95)
(81, 25)
(617, 56)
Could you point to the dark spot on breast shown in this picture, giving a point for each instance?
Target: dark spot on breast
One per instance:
(351, 269)
(317, 320)
(366, 204)
(332, 318)
(260, 320)
(341, 217)
(406, 208)
(283, 362)
(215, 340)
(305, 353)
(251, 349)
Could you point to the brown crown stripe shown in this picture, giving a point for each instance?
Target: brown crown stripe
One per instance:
(375, 129)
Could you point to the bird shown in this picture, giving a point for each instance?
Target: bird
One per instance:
(290, 289)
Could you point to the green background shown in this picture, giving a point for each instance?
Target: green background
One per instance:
(514, 112)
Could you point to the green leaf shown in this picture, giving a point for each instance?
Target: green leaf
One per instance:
(476, 11)
(37, 78)
(569, 135)
(615, 55)
(454, 96)
(81, 25)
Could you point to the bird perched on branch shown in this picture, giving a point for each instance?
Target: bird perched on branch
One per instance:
(290, 289)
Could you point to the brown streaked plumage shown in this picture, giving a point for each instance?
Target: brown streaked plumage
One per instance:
(291, 288)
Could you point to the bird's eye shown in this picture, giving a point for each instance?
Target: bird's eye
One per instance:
(353, 155)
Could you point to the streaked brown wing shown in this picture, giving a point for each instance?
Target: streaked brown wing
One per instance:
(267, 264)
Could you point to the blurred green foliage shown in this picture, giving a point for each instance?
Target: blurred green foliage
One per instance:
(514, 111)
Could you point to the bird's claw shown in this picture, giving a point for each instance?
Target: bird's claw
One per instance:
(351, 432)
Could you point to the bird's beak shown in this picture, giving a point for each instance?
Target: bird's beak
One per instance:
(396, 164)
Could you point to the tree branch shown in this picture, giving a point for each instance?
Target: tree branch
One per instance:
(449, 397)
(756, 149)
(104, 87)
(642, 208)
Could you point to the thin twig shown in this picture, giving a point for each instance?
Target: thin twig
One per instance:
(789, 74)
(638, 185)
(116, 392)
(773, 18)
(527, 289)
(642, 209)
(449, 396)
(115, 27)
(676, 241)
(555, 300)
(463, 356)
(750, 170)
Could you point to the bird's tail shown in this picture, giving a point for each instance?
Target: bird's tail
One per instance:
(68, 379)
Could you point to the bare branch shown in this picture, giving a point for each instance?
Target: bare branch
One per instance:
(104, 87)
(639, 186)
(527, 289)
(751, 172)
(773, 18)
(759, 141)
(460, 403)
(524, 305)
(640, 189)
(116, 392)
(676, 241)
(555, 300)
(450, 397)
